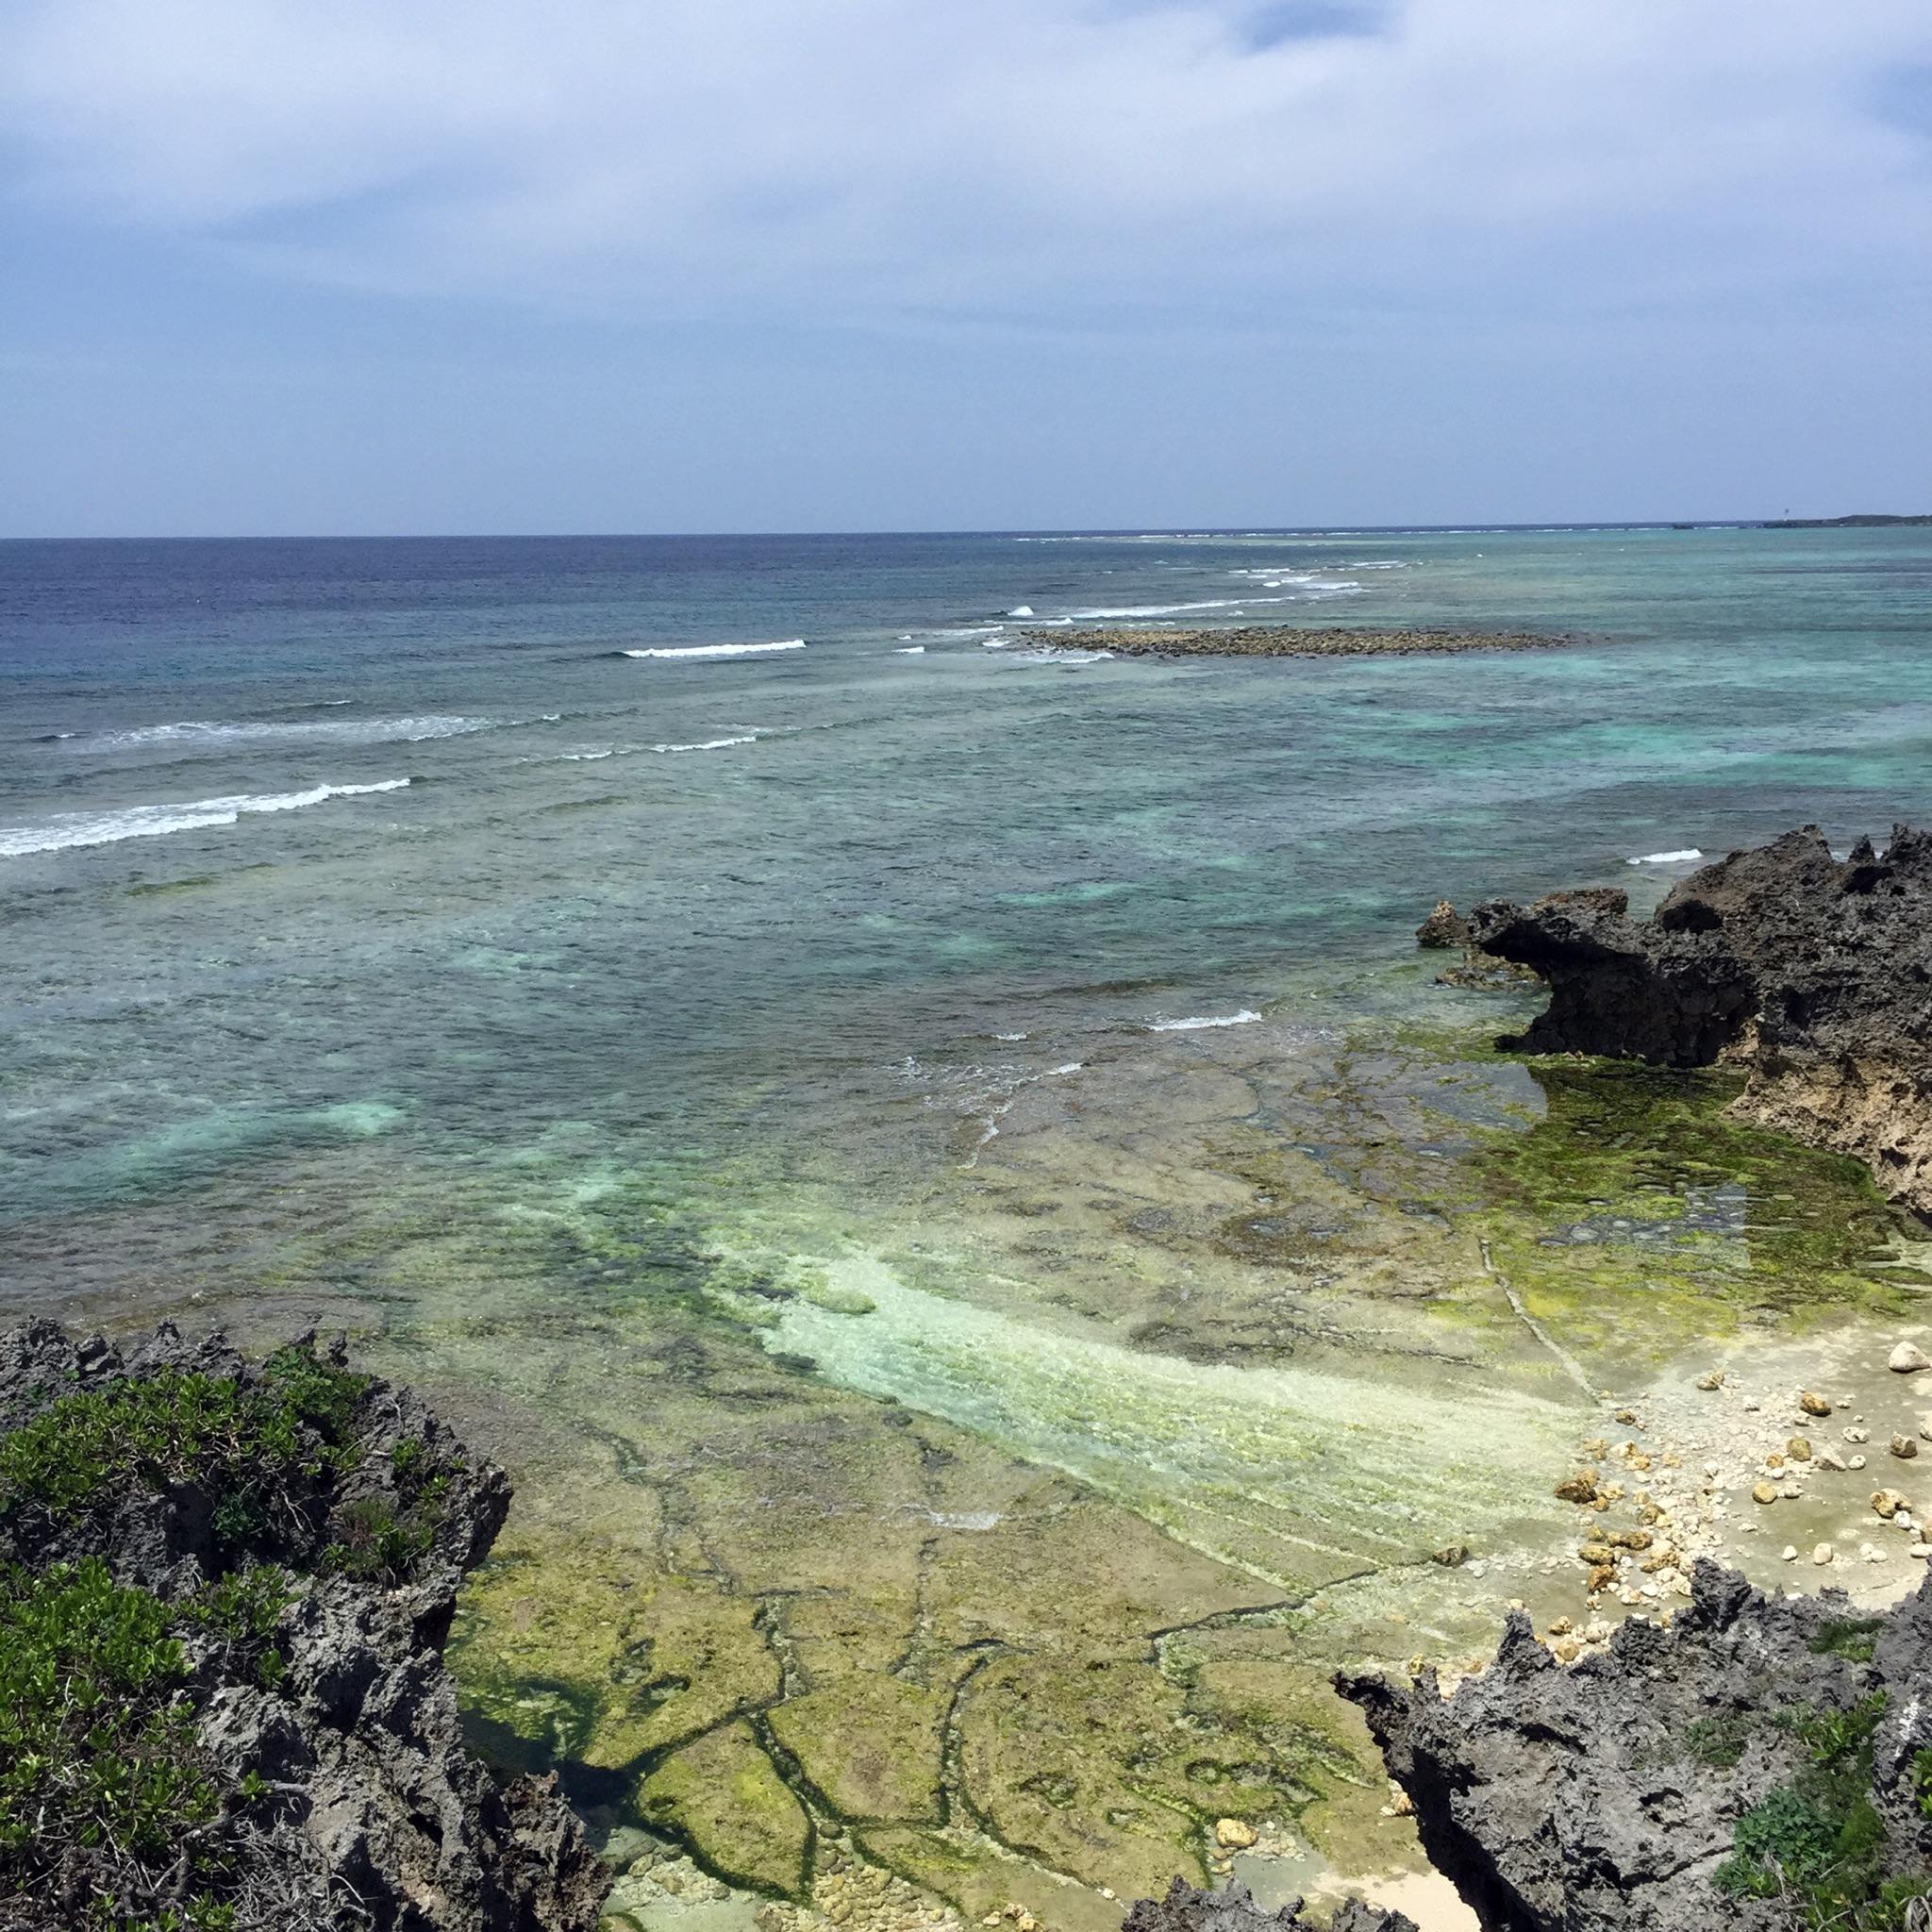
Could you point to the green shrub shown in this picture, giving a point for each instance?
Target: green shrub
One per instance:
(1819, 1841)
(246, 1448)
(96, 1745)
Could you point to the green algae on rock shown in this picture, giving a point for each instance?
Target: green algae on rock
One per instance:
(1638, 1211)
(722, 1794)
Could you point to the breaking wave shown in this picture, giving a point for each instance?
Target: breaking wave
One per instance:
(718, 650)
(76, 828)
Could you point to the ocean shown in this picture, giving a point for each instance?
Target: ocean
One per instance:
(728, 1013)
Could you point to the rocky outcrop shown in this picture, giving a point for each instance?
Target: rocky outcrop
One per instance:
(1763, 1762)
(288, 1540)
(1443, 931)
(1813, 973)
(1187, 1909)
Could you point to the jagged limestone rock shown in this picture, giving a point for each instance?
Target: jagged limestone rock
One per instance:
(1810, 972)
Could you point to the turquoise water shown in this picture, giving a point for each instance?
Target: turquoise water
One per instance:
(238, 936)
(911, 1145)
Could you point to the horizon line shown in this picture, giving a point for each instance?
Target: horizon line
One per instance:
(1880, 518)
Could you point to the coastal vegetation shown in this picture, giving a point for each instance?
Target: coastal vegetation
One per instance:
(213, 1718)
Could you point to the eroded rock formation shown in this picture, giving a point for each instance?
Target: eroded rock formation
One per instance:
(253, 1570)
(1813, 973)
(1187, 1909)
(1764, 1762)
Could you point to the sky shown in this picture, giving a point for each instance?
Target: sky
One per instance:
(386, 266)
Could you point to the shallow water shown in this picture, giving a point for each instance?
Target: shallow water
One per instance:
(927, 1157)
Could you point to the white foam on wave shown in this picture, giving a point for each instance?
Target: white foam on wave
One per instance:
(1313, 589)
(1666, 857)
(1021, 611)
(709, 743)
(1057, 656)
(77, 829)
(908, 651)
(217, 732)
(719, 650)
(1195, 1022)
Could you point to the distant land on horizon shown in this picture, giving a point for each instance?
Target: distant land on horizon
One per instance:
(1866, 520)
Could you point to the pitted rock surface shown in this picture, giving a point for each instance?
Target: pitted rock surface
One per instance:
(1596, 1797)
(1187, 1909)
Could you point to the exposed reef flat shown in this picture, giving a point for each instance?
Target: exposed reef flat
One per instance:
(1814, 974)
(1293, 641)
(1762, 1762)
(224, 1595)
(880, 1510)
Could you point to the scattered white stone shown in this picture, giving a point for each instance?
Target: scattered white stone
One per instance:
(1821, 1555)
(1857, 1435)
(1856, 1462)
(1871, 1552)
(1828, 1458)
(1791, 1553)
(1908, 1358)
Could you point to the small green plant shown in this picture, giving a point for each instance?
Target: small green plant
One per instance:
(1922, 1782)
(1719, 1742)
(375, 1544)
(242, 1610)
(1854, 1639)
(1818, 1841)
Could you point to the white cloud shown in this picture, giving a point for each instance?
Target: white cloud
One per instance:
(1054, 157)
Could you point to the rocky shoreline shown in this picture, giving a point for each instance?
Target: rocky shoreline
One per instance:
(1762, 1762)
(225, 1592)
(1812, 974)
(1289, 641)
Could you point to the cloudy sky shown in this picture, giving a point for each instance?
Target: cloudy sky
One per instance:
(443, 265)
